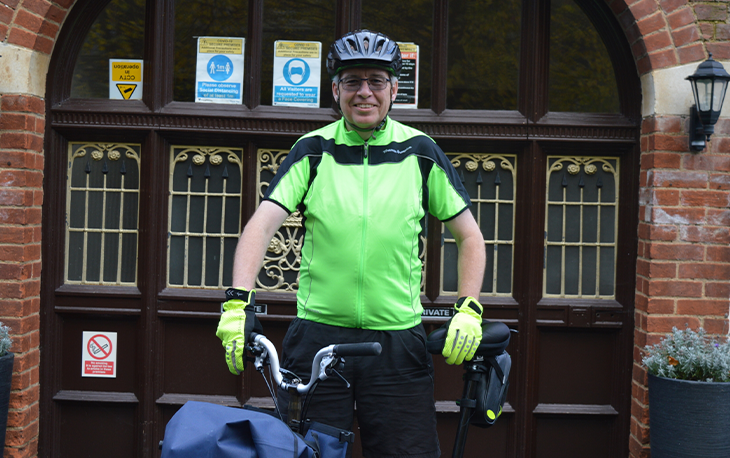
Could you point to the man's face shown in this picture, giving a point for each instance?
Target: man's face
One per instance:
(364, 107)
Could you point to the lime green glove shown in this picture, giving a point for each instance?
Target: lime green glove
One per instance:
(235, 325)
(465, 331)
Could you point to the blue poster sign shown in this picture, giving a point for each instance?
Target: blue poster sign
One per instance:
(219, 70)
(297, 68)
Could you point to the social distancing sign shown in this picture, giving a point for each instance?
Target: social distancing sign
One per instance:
(408, 81)
(297, 73)
(125, 79)
(99, 354)
(219, 70)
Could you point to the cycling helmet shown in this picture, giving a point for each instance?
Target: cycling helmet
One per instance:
(364, 48)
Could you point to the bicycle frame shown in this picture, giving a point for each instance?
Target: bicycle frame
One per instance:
(324, 365)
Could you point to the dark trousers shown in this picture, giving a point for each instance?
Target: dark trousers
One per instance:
(391, 394)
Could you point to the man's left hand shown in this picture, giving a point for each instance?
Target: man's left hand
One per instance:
(465, 331)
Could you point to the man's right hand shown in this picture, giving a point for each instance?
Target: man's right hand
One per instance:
(235, 326)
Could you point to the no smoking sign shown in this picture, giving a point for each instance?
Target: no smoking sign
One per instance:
(99, 354)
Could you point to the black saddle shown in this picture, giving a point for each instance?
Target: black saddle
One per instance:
(495, 338)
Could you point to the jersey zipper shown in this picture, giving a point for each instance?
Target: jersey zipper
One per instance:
(361, 276)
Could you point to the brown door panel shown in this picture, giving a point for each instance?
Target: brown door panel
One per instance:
(70, 353)
(94, 429)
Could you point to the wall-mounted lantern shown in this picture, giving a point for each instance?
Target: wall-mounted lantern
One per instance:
(709, 85)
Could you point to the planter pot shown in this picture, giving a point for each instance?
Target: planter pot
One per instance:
(689, 419)
(6, 376)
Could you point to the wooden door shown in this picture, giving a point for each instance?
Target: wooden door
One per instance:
(145, 200)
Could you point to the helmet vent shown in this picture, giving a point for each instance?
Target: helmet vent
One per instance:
(381, 43)
(353, 45)
(364, 48)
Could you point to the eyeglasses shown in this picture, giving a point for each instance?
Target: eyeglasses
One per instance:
(376, 83)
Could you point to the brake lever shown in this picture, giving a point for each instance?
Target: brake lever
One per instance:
(260, 356)
(337, 363)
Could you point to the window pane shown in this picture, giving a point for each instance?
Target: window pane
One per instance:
(581, 227)
(490, 181)
(117, 33)
(202, 18)
(581, 73)
(484, 44)
(205, 215)
(101, 211)
(406, 22)
(297, 20)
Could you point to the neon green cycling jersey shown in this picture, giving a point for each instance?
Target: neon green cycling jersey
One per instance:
(364, 206)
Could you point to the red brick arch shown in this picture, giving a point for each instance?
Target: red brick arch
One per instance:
(32, 24)
(662, 33)
(666, 33)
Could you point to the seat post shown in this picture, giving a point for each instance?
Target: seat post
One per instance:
(467, 404)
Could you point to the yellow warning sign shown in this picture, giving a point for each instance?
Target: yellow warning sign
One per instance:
(408, 47)
(301, 49)
(126, 71)
(126, 90)
(125, 79)
(212, 45)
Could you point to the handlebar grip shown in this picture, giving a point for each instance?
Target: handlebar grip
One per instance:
(358, 349)
(252, 337)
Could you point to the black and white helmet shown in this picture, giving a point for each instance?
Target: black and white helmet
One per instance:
(364, 48)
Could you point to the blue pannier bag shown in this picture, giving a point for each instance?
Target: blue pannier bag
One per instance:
(330, 442)
(204, 430)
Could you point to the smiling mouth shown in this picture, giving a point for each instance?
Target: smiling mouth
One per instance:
(364, 105)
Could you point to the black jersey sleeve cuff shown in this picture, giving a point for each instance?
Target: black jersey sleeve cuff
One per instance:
(279, 204)
(457, 214)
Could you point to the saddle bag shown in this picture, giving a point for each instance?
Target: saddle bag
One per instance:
(489, 370)
(492, 377)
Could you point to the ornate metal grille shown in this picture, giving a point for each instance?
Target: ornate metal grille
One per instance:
(280, 271)
(204, 215)
(581, 227)
(490, 181)
(102, 208)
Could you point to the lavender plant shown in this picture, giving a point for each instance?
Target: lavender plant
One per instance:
(689, 355)
(5, 340)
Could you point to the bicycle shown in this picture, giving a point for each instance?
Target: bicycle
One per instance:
(486, 379)
(205, 429)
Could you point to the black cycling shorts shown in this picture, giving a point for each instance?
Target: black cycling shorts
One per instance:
(391, 394)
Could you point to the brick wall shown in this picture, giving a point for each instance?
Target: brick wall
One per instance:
(683, 266)
(21, 196)
(27, 28)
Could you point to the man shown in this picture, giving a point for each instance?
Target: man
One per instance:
(364, 185)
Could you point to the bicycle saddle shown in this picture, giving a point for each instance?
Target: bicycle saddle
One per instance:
(495, 338)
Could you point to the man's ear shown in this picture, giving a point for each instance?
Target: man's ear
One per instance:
(394, 91)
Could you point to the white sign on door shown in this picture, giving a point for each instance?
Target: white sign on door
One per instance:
(219, 70)
(408, 81)
(99, 354)
(297, 70)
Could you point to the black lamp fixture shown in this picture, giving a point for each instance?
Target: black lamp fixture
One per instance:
(709, 85)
